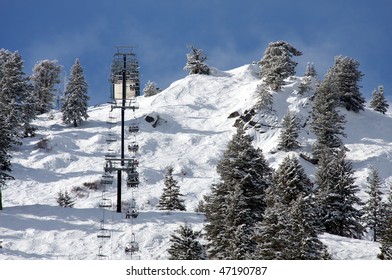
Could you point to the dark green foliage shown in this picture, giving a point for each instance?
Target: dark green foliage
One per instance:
(345, 76)
(195, 62)
(65, 200)
(170, 198)
(378, 102)
(386, 242)
(277, 65)
(265, 99)
(46, 75)
(291, 181)
(336, 195)
(374, 209)
(288, 230)
(185, 245)
(75, 98)
(14, 96)
(308, 79)
(386, 234)
(236, 204)
(326, 122)
(288, 138)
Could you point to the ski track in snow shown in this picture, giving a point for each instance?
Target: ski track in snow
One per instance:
(192, 137)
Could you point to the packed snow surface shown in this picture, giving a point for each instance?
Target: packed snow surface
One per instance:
(188, 129)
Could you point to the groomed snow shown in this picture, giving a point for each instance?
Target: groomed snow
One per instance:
(192, 134)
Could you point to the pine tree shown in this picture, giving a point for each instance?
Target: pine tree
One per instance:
(309, 78)
(170, 198)
(5, 157)
(185, 245)
(277, 65)
(265, 99)
(46, 75)
(345, 76)
(288, 138)
(336, 195)
(65, 200)
(236, 203)
(291, 181)
(195, 62)
(386, 242)
(378, 102)
(386, 235)
(301, 233)
(310, 71)
(150, 89)
(273, 236)
(14, 90)
(75, 98)
(288, 231)
(373, 209)
(326, 122)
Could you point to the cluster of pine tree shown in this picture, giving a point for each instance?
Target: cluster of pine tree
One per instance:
(257, 213)
(23, 98)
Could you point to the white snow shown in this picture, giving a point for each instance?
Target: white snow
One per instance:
(192, 134)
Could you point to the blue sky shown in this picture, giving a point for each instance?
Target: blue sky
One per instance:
(232, 33)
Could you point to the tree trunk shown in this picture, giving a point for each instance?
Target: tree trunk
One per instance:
(75, 124)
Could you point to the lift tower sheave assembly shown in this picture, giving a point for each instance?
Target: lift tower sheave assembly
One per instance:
(125, 80)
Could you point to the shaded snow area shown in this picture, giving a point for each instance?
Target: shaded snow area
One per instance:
(188, 128)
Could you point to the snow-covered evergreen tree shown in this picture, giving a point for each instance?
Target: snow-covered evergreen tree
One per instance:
(264, 98)
(65, 200)
(5, 163)
(336, 195)
(236, 203)
(14, 92)
(308, 80)
(275, 233)
(345, 76)
(75, 98)
(288, 138)
(386, 242)
(277, 64)
(378, 102)
(326, 122)
(310, 71)
(171, 196)
(301, 233)
(195, 62)
(150, 89)
(386, 236)
(288, 231)
(185, 244)
(291, 181)
(374, 208)
(45, 77)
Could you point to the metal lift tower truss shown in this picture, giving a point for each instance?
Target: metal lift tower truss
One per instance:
(125, 80)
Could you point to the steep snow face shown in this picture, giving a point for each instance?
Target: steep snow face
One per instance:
(188, 128)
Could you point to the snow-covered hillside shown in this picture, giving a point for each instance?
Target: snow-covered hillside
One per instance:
(189, 131)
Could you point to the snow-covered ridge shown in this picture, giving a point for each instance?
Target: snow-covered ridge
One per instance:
(191, 135)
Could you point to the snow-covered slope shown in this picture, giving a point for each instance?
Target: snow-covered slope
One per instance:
(191, 135)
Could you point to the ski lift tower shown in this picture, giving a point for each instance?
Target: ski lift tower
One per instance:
(125, 80)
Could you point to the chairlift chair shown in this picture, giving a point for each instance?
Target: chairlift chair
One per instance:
(133, 181)
(133, 147)
(132, 213)
(104, 233)
(111, 137)
(107, 179)
(133, 162)
(132, 246)
(105, 203)
(133, 128)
